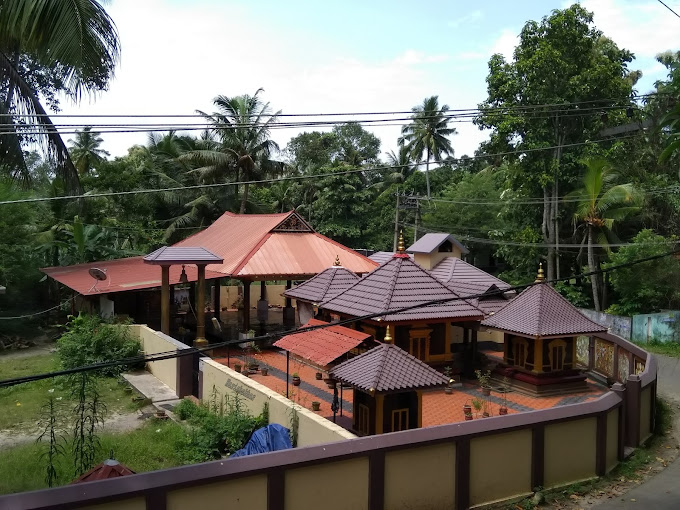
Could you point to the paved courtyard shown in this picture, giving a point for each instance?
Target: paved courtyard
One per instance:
(438, 407)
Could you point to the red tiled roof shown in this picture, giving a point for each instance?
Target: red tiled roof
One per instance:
(387, 368)
(326, 285)
(108, 469)
(323, 345)
(122, 274)
(540, 311)
(455, 269)
(182, 255)
(398, 283)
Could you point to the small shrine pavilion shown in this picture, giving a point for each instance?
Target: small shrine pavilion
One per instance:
(107, 470)
(431, 333)
(388, 386)
(540, 328)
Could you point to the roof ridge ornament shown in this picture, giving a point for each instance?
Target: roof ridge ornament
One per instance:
(401, 251)
(540, 277)
(337, 261)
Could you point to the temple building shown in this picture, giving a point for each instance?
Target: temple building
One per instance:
(540, 329)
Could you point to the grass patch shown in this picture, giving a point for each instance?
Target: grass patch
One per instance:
(20, 404)
(148, 448)
(669, 348)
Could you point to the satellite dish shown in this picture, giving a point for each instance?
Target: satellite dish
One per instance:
(99, 275)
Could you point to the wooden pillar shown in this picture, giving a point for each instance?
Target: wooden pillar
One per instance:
(165, 299)
(246, 306)
(289, 301)
(217, 287)
(263, 290)
(420, 408)
(379, 419)
(200, 307)
(538, 355)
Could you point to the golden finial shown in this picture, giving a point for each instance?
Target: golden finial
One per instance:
(337, 260)
(400, 245)
(388, 335)
(540, 276)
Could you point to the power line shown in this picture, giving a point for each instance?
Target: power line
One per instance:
(195, 350)
(667, 7)
(37, 313)
(297, 177)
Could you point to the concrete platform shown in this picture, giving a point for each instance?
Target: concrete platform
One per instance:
(161, 395)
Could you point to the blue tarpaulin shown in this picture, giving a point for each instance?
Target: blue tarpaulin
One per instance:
(267, 439)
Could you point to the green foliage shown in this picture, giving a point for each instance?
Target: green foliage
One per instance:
(91, 339)
(647, 287)
(219, 427)
(51, 434)
(576, 294)
(88, 416)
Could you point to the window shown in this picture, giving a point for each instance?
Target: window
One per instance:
(399, 420)
(419, 343)
(557, 350)
(519, 350)
(363, 419)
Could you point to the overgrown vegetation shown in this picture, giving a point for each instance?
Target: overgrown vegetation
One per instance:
(669, 348)
(90, 339)
(218, 427)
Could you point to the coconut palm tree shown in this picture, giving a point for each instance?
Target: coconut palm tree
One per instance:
(428, 134)
(601, 202)
(48, 48)
(240, 142)
(85, 151)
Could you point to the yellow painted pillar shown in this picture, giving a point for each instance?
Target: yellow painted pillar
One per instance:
(200, 308)
(165, 299)
(379, 403)
(538, 355)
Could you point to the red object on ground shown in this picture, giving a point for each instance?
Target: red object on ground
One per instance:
(110, 468)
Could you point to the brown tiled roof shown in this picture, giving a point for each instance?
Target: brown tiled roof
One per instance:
(492, 298)
(398, 283)
(323, 345)
(108, 469)
(454, 269)
(540, 311)
(326, 285)
(387, 368)
(430, 242)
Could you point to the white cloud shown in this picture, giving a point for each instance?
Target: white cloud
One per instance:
(467, 19)
(505, 44)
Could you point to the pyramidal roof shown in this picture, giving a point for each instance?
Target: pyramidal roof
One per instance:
(326, 285)
(541, 311)
(454, 269)
(387, 368)
(398, 283)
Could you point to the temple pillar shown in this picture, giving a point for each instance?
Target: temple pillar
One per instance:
(262, 304)
(379, 419)
(246, 306)
(217, 287)
(289, 311)
(200, 308)
(420, 408)
(165, 299)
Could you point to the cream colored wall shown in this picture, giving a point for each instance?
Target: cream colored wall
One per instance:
(570, 451)
(645, 413)
(125, 504)
(612, 439)
(154, 342)
(312, 429)
(335, 486)
(420, 477)
(429, 260)
(229, 294)
(500, 466)
(239, 494)
(490, 335)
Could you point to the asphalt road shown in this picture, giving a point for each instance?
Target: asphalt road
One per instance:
(661, 492)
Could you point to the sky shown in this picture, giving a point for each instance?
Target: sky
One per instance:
(338, 56)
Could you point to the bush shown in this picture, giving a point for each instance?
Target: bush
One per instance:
(220, 427)
(91, 339)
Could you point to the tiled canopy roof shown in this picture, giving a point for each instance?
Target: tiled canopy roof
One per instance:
(108, 469)
(323, 345)
(431, 242)
(326, 285)
(540, 311)
(167, 255)
(387, 368)
(491, 297)
(399, 283)
(455, 269)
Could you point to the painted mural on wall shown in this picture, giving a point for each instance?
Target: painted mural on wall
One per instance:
(604, 357)
(624, 365)
(583, 351)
